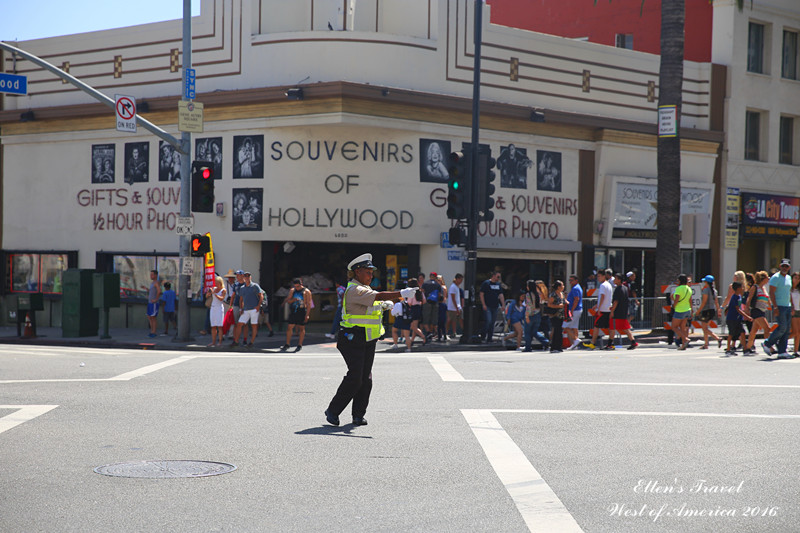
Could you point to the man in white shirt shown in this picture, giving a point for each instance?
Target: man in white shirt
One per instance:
(454, 306)
(603, 307)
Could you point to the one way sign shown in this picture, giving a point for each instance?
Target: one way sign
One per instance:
(125, 109)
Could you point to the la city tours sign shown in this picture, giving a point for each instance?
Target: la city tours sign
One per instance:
(765, 216)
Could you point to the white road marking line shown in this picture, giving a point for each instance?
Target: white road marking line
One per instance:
(151, 368)
(643, 413)
(537, 503)
(444, 369)
(23, 414)
(448, 373)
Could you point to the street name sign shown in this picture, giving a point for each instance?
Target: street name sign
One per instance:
(13, 84)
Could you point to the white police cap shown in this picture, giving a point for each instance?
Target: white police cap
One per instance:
(362, 261)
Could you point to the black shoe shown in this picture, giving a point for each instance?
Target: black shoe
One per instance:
(332, 419)
(286, 347)
(299, 347)
(359, 421)
(271, 333)
(234, 344)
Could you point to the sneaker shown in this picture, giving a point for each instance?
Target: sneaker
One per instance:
(299, 347)
(589, 345)
(633, 345)
(785, 355)
(748, 353)
(520, 349)
(610, 347)
(330, 335)
(726, 354)
(234, 344)
(286, 347)
(408, 350)
(151, 335)
(359, 421)
(394, 347)
(682, 346)
(766, 348)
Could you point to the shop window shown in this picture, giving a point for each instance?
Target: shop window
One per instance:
(134, 273)
(790, 56)
(35, 272)
(624, 40)
(752, 136)
(787, 148)
(755, 48)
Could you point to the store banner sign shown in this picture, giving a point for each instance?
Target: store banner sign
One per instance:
(732, 209)
(636, 207)
(767, 216)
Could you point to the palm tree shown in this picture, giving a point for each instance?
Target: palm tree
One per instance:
(670, 93)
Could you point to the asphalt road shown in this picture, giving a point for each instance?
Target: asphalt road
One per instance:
(626, 441)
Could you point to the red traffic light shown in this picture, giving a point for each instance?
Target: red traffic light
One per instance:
(206, 173)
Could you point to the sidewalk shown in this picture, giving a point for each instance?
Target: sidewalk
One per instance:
(137, 339)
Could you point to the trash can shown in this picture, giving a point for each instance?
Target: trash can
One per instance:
(79, 318)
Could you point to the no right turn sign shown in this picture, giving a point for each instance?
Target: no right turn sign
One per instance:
(125, 109)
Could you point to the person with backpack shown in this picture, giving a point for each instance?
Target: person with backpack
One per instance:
(430, 309)
(299, 300)
(535, 299)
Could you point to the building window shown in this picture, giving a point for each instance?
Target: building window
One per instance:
(34, 272)
(134, 273)
(752, 133)
(624, 40)
(755, 48)
(786, 156)
(789, 66)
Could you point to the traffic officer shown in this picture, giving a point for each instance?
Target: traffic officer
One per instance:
(361, 327)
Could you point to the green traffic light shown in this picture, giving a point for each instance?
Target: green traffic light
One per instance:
(455, 185)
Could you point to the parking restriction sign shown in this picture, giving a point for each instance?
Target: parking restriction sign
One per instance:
(125, 109)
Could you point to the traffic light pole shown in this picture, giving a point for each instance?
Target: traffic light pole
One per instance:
(184, 289)
(471, 269)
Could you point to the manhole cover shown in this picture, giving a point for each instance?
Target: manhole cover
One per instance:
(165, 469)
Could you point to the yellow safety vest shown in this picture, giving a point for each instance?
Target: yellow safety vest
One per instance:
(372, 322)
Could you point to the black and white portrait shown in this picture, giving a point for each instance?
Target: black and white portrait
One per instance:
(169, 162)
(137, 162)
(103, 163)
(248, 209)
(433, 160)
(548, 171)
(210, 149)
(248, 153)
(513, 164)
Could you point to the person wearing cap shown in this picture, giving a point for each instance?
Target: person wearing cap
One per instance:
(780, 290)
(250, 297)
(361, 327)
(708, 311)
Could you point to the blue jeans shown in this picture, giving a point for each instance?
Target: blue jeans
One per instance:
(781, 333)
(490, 315)
(532, 330)
(337, 318)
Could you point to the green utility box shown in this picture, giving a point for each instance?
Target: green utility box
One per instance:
(79, 318)
(105, 291)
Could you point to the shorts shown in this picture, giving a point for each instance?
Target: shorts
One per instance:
(707, 315)
(682, 315)
(298, 317)
(735, 329)
(755, 312)
(603, 321)
(452, 316)
(249, 315)
(152, 309)
(621, 324)
(401, 323)
(169, 316)
(430, 314)
(576, 318)
(416, 312)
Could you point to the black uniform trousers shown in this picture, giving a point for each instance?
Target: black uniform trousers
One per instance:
(358, 355)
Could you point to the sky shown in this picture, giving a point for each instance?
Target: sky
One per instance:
(22, 20)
